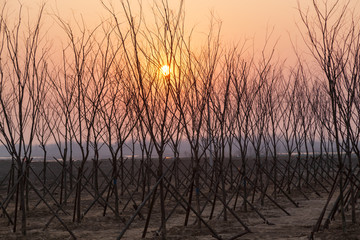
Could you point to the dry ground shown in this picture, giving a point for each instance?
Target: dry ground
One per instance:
(96, 226)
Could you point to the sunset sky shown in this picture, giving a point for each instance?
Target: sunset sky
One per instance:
(249, 20)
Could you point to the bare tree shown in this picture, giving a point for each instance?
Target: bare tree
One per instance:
(62, 106)
(147, 51)
(43, 134)
(23, 71)
(192, 95)
(333, 36)
(119, 123)
(89, 78)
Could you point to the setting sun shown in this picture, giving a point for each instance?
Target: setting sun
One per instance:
(165, 70)
(183, 113)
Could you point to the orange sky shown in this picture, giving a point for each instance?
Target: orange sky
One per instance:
(241, 19)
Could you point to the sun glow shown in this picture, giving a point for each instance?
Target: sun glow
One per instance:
(165, 70)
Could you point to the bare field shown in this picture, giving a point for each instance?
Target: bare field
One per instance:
(274, 223)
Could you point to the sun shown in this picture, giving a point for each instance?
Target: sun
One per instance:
(165, 70)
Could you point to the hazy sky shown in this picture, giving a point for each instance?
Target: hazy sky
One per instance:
(241, 19)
